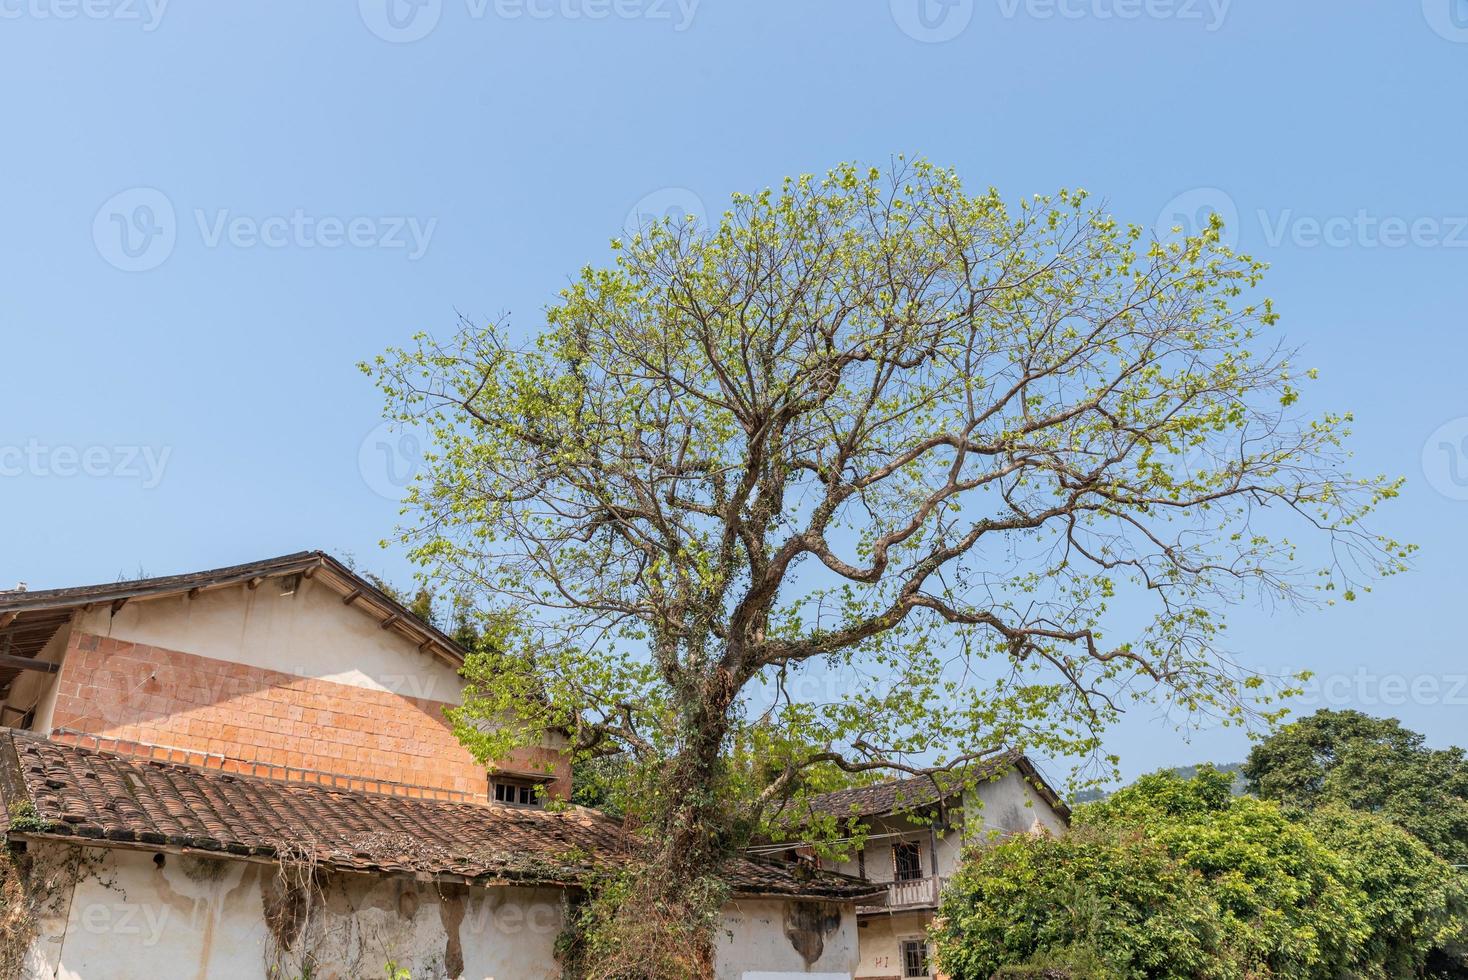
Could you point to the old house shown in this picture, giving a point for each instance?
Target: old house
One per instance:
(915, 833)
(246, 772)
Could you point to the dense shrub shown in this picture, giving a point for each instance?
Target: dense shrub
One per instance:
(1110, 899)
(1176, 878)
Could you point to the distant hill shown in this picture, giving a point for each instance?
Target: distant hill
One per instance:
(1186, 772)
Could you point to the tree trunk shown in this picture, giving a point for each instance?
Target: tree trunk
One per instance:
(693, 826)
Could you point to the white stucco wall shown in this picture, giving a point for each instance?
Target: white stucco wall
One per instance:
(881, 939)
(1009, 805)
(308, 633)
(125, 918)
(992, 810)
(769, 939)
(122, 916)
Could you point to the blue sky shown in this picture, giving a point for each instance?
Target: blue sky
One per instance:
(212, 211)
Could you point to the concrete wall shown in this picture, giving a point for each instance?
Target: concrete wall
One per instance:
(121, 915)
(308, 632)
(126, 918)
(881, 939)
(885, 832)
(1007, 806)
(768, 939)
(991, 811)
(269, 679)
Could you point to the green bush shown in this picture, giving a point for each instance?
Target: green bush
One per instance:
(1177, 878)
(1110, 899)
(1286, 908)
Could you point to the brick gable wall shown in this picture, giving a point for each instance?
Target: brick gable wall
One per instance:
(152, 701)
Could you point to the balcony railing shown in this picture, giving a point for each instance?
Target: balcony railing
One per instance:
(920, 893)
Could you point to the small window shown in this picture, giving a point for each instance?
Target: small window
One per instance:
(907, 862)
(914, 958)
(861, 864)
(514, 792)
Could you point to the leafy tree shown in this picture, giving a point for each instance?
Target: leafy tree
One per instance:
(1286, 909)
(869, 464)
(1369, 764)
(1177, 878)
(1107, 903)
(1413, 901)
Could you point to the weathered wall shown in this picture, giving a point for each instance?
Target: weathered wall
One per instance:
(265, 681)
(129, 919)
(125, 916)
(992, 810)
(1009, 806)
(36, 690)
(881, 943)
(765, 938)
(885, 833)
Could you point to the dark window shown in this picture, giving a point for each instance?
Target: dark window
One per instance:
(861, 864)
(907, 862)
(514, 792)
(914, 958)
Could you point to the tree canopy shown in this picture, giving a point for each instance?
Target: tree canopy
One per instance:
(880, 475)
(1369, 764)
(1177, 878)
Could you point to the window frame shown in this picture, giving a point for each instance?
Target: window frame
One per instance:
(526, 793)
(909, 847)
(907, 947)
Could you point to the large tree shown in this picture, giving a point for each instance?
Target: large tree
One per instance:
(1370, 764)
(877, 474)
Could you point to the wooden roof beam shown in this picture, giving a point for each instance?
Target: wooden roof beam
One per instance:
(8, 662)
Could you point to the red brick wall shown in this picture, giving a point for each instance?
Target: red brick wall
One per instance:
(235, 716)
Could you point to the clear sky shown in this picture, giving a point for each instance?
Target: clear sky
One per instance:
(212, 211)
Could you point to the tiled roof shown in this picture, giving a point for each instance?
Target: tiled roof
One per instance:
(915, 792)
(76, 793)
